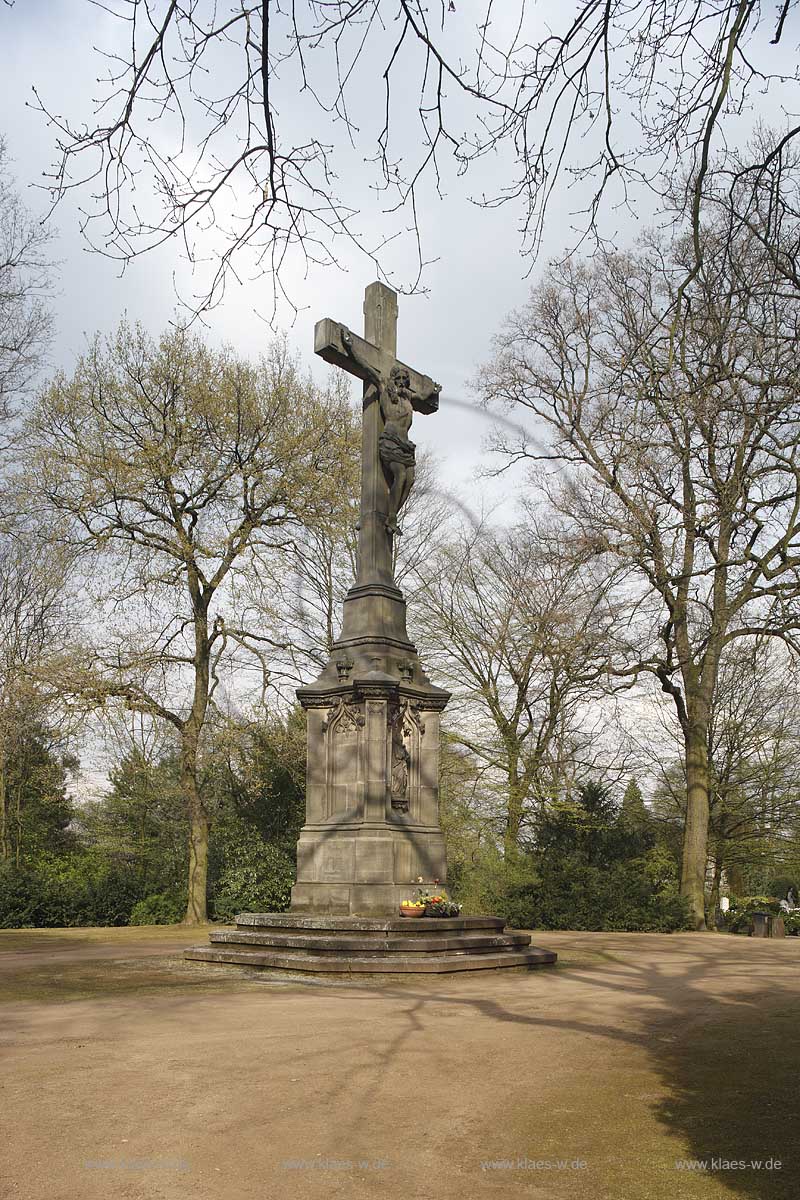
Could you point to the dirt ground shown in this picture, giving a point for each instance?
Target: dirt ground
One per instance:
(129, 1073)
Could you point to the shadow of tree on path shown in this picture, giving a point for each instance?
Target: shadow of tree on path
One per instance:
(721, 1025)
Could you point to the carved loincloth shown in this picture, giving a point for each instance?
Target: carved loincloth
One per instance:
(394, 448)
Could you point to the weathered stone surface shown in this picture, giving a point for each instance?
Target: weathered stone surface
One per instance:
(390, 964)
(349, 945)
(408, 926)
(328, 345)
(371, 944)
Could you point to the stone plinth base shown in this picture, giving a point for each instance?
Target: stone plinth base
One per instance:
(348, 899)
(368, 945)
(365, 870)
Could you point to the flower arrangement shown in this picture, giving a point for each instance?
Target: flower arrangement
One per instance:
(432, 903)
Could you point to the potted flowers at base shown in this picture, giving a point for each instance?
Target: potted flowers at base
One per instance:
(427, 903)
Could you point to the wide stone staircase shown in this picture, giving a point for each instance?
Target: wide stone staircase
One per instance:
(370, 945)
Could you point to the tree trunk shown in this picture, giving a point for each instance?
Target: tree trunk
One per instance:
(695, 842)
(196, 907)
(514, 808)
(4, 846)
(18, 823)
(735, 880)
(713, 902)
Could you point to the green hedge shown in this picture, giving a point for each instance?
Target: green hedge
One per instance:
(158, 909)
(739, 916)
(620, 896)
(81, 888)
(589, 868)
(91, 887)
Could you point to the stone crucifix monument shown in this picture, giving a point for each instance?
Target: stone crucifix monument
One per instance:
(372, 779)
(372, 794)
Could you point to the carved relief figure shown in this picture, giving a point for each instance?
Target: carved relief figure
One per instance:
(401, 761)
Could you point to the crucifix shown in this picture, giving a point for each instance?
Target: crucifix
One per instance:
(393, 392)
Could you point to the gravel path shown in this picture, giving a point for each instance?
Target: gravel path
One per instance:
(128, 1073)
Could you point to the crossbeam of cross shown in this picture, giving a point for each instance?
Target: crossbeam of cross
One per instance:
(328, 344)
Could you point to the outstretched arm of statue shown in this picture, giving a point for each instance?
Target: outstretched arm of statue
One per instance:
(426, 399)
(347, 341)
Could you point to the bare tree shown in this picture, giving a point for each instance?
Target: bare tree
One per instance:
(25, 277)
(31, 601)
(520, 633)
(681, 454)
(753, 193)
(305, 591)
(754, 740)
(172, 468)
(32, 622)
(198, 114)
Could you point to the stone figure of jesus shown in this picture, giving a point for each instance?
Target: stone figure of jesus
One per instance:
(397, 453)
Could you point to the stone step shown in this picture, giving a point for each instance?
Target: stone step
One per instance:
(374, 944)
(389, 964)
(408, 926)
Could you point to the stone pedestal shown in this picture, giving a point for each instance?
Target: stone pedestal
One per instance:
(372, 778)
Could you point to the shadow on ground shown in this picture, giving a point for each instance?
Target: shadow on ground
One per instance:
(720, 1021)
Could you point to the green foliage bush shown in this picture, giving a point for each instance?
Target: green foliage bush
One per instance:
(80, 888)
(791, 922)
(123, 857)
(38, 812)
(575, 895)
(497, 885)
(160, 909)
(589, 868)
(260, 779)
(252, 875)
(141, 824)
(781, 885)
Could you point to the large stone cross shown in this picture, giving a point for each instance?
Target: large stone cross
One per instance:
(374, 354)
